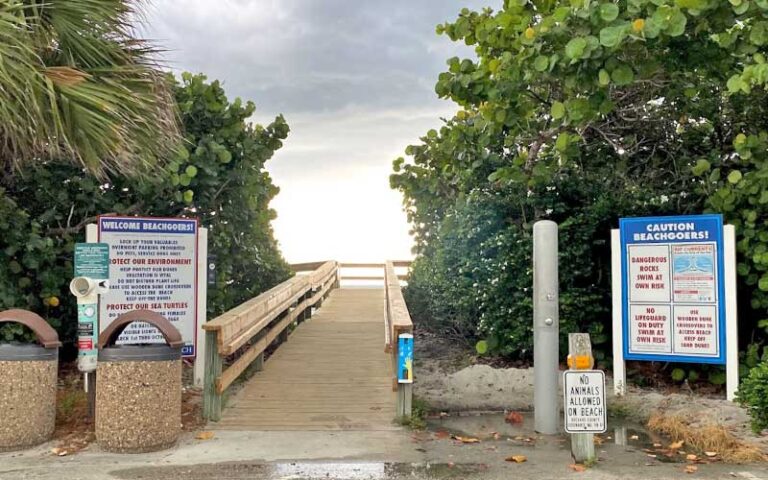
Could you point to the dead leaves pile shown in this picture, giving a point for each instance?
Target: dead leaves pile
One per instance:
(675, 449)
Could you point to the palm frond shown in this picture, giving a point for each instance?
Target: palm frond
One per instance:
(76, 82)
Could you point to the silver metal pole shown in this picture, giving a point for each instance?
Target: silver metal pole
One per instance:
(546, 322)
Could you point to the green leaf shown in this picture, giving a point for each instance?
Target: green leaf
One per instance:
(678, 374)
(574, 49)
(734, 84)
(609, 12)
(762, 284)
(541, 63)
(603, 77)
(191, 171)
(224, 156)
(561, 13)
(557, 110)
(677, 24)
(481, 347)
(623, 75)
(188, 196)
(702, 166)
(717, 378)
(612, 36)
(561, 144)
(734, 177)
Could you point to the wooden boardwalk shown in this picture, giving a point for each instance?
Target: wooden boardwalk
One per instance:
(332, 374)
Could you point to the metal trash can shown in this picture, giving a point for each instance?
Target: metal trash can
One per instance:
(138, 388)
(28, 374)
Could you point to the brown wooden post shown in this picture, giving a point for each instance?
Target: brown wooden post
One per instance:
(580, 358)
(213, 368)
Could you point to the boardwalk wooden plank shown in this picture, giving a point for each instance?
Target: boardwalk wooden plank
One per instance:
(331, 375)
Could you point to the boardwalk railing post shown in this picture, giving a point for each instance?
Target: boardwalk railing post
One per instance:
(283, 336)
(213, 367)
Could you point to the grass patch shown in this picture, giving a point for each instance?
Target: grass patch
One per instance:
(417, 419)
(619, 410)
(709, 438)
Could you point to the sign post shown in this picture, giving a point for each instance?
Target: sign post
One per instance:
(584, 404)
(404, 374)
(672, 302)
(91, 279)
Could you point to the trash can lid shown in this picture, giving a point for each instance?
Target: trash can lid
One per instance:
(139, 353)
(46, 335)
(17, 352)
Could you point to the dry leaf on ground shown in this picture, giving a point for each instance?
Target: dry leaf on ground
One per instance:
(691, 457)
(516, 458)
(577, 467)
(466, 439)
(514, 418)
(710, 454)
(691, 468)
(676, 445)
(58, 451)
(442, 434)
(205, 435)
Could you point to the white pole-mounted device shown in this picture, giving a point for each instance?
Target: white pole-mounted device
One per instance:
(87, 291)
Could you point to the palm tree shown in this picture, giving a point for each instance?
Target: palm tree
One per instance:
(76, 83)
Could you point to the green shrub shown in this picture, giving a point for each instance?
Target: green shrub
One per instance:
(753, 394)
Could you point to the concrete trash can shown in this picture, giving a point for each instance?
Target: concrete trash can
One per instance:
(138, 388)
(28, 374)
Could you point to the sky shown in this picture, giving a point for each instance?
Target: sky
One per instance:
(355, 80)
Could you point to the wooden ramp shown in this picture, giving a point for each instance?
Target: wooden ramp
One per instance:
(332, 374)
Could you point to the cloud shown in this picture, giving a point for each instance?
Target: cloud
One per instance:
(355, 80)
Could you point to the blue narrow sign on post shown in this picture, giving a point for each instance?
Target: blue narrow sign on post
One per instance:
(405, 358)
(673, 295)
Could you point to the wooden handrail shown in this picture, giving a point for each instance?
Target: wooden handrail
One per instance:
(310, 266)
(307, 266)
(397, 320)
(255, 324)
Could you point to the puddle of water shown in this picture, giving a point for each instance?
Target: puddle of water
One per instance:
(372, 471)
(306, 471)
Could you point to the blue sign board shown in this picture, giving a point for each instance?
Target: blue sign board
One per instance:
(405, 358)
(673, 290)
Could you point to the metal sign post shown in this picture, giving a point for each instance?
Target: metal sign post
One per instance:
(546, 323)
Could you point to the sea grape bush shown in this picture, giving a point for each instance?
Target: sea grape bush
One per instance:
(584, 111)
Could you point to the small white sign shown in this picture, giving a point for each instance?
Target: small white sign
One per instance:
(584, 407)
